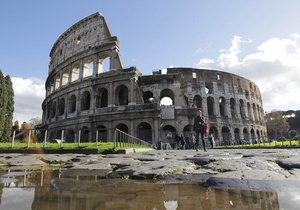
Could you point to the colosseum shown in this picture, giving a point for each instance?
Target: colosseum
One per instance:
(89, 94)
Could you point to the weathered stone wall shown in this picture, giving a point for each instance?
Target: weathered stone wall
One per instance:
(86, 100)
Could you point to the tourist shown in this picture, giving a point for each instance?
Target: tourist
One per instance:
(199, 129)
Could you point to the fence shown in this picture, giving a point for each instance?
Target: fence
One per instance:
(123, 139)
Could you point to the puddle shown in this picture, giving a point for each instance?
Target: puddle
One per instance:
(53, 190)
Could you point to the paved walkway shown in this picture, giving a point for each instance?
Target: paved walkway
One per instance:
(250, 169)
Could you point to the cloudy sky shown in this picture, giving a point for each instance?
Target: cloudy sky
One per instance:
(256, 39)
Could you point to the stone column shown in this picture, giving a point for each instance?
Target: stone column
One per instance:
(110, 95)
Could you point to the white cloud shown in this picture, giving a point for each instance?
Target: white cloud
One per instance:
(29, 94)
(274, 67)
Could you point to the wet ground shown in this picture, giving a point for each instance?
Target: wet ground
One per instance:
(217, 179)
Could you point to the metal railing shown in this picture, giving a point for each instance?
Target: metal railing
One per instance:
(123, 139)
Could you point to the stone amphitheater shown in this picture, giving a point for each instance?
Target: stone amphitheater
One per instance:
(89, 94)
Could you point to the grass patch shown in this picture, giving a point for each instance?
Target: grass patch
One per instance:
(286, 144)
(103, 147)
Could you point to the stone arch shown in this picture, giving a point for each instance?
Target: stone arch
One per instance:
(255, 118)
(258, 136)
(253, 140)
(70, 136)
(102, 133)
(53, 109)
(85, 100)
(51, 136)
(72, 104)
(144, 132)
(101, 98)
(103, 63)
(197, 102)
(169, 133)
(75, 72)
(123, 127)
(148, 97)
(57, 81)
(214, 131)
(65, 77)
(88, 68)
(210, 106)
(52, 86)
(167, 94)
(249, 110)
(121, 95)
(233, 107)
(237, 137)
(242, 109)
(61, 106)
(85, 134)
(188, 131)
(246, 139)
(226, 135)
(222, 106)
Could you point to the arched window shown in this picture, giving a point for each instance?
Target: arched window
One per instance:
(85, 100)
(145, 132)
(210, 106)
(101, 98)
(167, 97)
(122, 95)
(88, 68)
(61, 107)
(72, 104)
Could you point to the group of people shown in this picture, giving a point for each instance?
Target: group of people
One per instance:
(200, 129)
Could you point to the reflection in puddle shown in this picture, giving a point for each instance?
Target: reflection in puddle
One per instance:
(52, 190)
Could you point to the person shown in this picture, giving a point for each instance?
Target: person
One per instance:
(199, 129)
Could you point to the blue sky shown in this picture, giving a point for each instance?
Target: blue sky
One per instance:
(259, 40)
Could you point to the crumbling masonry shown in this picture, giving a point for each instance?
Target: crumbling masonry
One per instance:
(89, 94)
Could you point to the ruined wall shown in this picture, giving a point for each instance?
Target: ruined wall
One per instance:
(90, 94)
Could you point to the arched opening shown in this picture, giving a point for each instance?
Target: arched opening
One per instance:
(57, 81)
(102, 133)
(169, 133)
(167, 97)
(232, 108)
(85, 100)
(237, 137)
(258, 136)
(144, 132)
(72, 104)
(222, 106)
(253, 140)
(84, 137)
(249, 110)
(75, 72)
(101, 98)
(53, 110)
(148, 97)
(104, 64)
(52, 86)
(88, 68)
(122, 95)
(65, 77)
(210, 106)
(246, 136)
(226, 136)
(123, 127)
(61, 107)
(242, 109)
(197, 102)
(70, 136)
